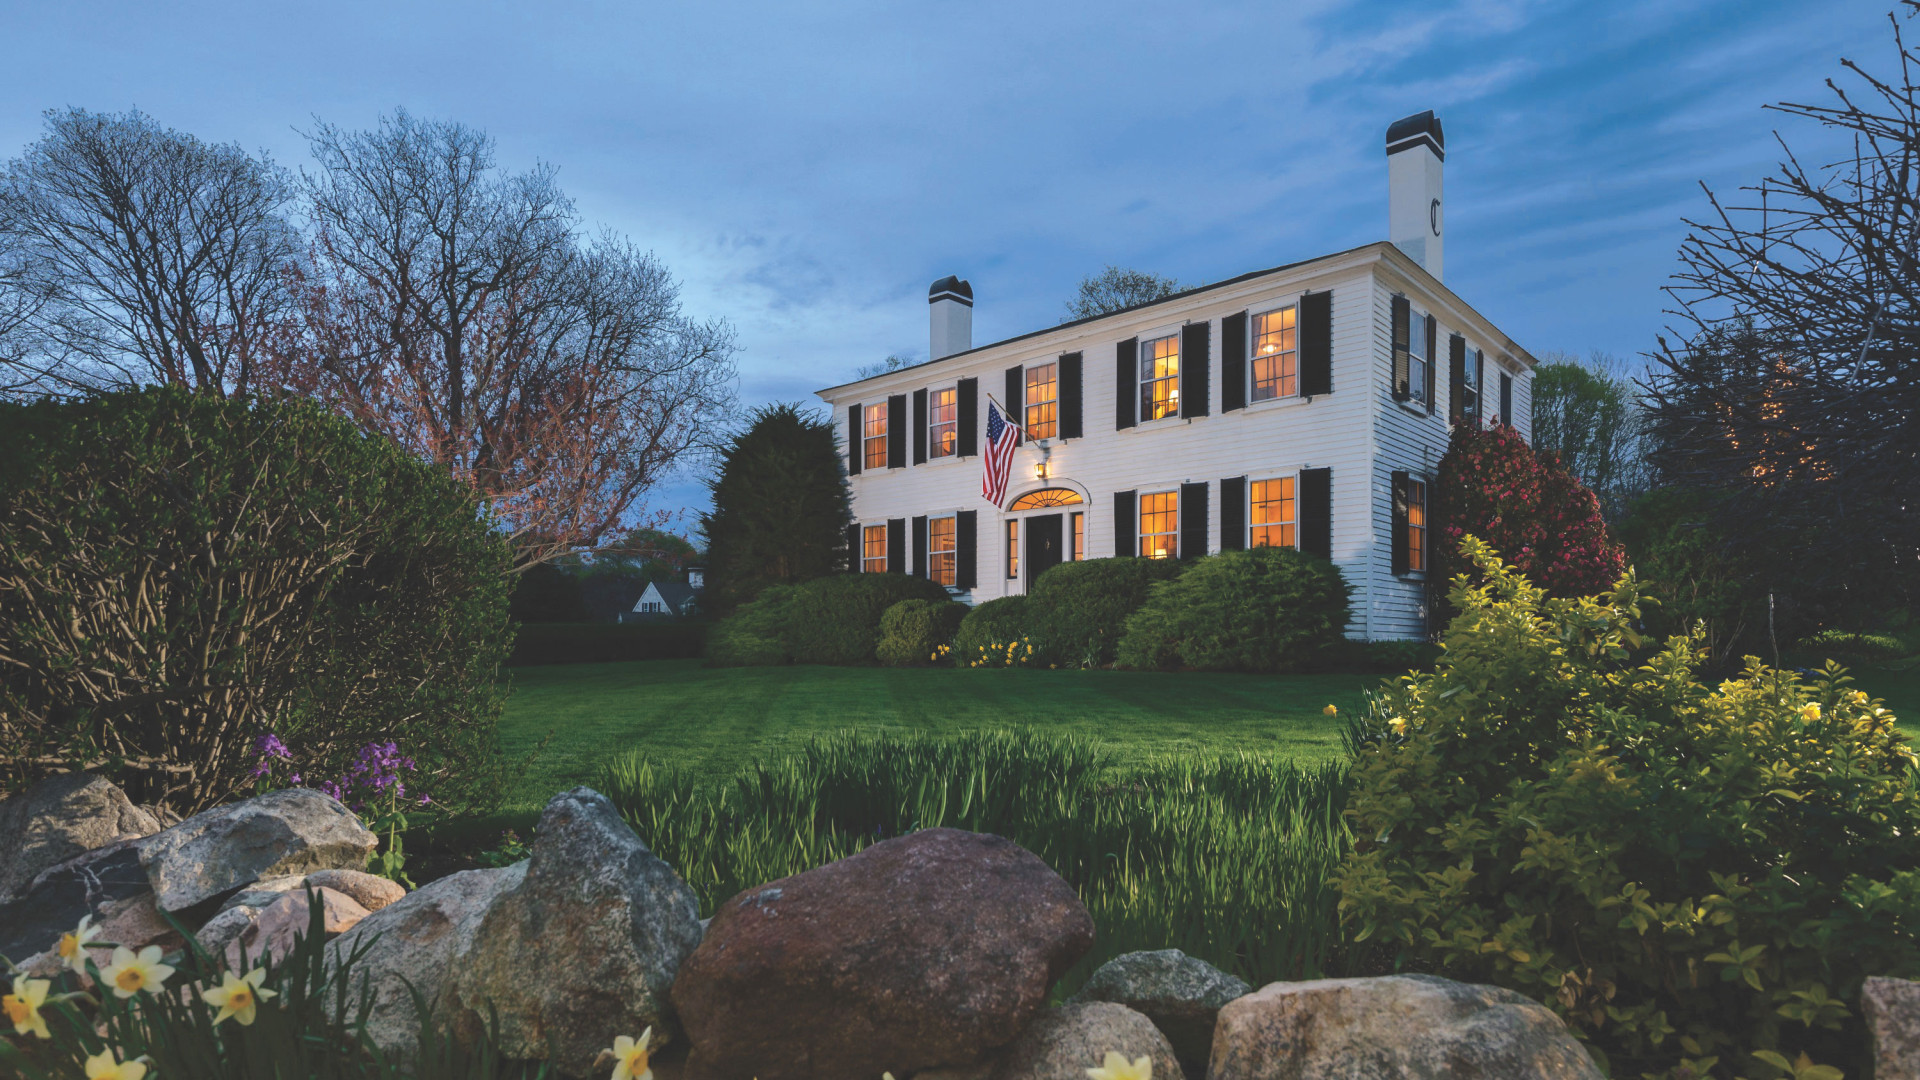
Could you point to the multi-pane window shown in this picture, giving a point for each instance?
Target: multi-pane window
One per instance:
(943, 422)
(1470, 388)
(1078, 537)
(1276, 355)
(1419, 364)
(940, 566)
(1160, 525)
(1270, 516)
(1160, 377)
(873, 549)
(1416, 525)
(1013, 548)
(874, 435)
(1043, 397)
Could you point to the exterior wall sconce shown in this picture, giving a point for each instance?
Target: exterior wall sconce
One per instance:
(1040, 467)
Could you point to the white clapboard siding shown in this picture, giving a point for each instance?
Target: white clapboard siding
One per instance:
(1358, 430)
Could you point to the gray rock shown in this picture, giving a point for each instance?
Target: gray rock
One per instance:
(412, 944)
(370, 891)
(89, 885)
(584, 949)
(225, 927)
(1181, 995)
(1398, 1027)
(291, 831)
(1063, 1043)
(61, 817)
(1892, 1011)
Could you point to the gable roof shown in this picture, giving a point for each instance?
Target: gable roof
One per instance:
(674, 594)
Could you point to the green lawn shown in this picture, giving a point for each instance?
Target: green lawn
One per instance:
(713, 720)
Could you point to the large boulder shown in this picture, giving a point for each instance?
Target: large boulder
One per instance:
(410, 946)
(585, 948)
(61, 817)
(1892, 1011)
(291, 831)
(89, 885)
(931, 949)
(1180, 994)
(1397, 1027)
(1063, 1043)
(281, 924)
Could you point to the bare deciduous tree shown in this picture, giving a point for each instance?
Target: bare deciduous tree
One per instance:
(1116, 289)
(138, 254)
(457, 309)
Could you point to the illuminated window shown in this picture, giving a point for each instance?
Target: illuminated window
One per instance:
(1160, 525)
(1419, 364)
(1416, 525)
(1013, 548)
(873, 549)
(1160, 377)
(943, 423)
(1045, 497)
(1276, 369)
(1270, 513)
(1043, 394)
(1079, 541)
(875, 446)
(940, 566)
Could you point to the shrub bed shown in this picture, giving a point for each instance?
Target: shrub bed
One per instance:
(1078, 610)
(916, 633)
(594, 643)
(1269, 609)
(829, 620)
(989, 628)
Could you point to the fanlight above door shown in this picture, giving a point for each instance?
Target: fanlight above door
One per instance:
(1045, 497)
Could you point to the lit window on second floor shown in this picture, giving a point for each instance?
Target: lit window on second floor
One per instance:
(874, 436)
(1160, 378)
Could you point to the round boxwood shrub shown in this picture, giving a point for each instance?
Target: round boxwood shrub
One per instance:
(182, 575)
(990, 627)
(1697, 876)
(836, 619)
(1269, 609)
(916, 633)
(1079, 609)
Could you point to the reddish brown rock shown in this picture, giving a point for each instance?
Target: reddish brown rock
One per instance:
(932, 949)
(285, 921)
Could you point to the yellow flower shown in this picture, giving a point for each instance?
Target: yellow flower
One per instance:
(131, 974)
(631, 1057)
(1859, 697)
(238, 996)
(1398, 724)
(1810, 711)
(1331, 711)
(23, 1005)
(101, 1066)
(73, 946)
(1117, 1068)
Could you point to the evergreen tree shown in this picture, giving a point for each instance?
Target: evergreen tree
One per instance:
(780, 507)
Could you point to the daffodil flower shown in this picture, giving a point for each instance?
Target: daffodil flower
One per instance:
(1117, 1068)
(23, 1006)
(238, 996)
(73, 945)
(130, 973)
(630, 1057)
(1810, 711)
(1398, 724)
(102, 1066)
(1331, 710)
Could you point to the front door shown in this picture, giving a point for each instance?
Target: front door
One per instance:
(1044, 548)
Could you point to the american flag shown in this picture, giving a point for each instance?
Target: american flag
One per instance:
(1002, 437)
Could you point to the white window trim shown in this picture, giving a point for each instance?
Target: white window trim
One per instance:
(1253, 314)
(1246, 539)
(1139, 383)
(882, 525)
(953, 516)
(1419, 337)
(1139, 537)
(955, 456)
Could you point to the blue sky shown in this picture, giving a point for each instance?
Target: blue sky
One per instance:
(807, 170)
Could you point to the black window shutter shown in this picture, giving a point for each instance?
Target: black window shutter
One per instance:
(896, 545)
(1233, 362)
(1070, 392)
(966, 549)
(1315, 509)
(1233, 513)
(969, 417)
(1433, 358)
(1506, 399)
(1398, 523)
(853, 547)
(920, 547)
(1479, 386)
(1126, 384)
(856, 441)
(920, 427)
(897, 431)
(1402, 359)
(1126, 530)
(1316, 344)
(1196, 369)
(1456, 379)
(1193, 520)
(1016, 398)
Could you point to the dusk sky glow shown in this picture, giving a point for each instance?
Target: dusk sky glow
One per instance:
(807, 174)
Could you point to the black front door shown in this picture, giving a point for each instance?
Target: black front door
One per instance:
(1043, 546)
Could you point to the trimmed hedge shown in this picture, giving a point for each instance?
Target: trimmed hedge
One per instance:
(995, 622)
(596, 643)
(913, 632)
(829, 620)
(1270, 609)
(1078, 610)
(755, 634)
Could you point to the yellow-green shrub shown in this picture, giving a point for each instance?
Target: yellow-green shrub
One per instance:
(1696, 877)
(917, 633)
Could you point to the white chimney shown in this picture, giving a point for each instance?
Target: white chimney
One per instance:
(950, 317)
(1415, 152)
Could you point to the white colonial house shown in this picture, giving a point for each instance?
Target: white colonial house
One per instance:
(1307, 405)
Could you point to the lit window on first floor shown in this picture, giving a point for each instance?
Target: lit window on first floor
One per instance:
(1270, 513)
(940, 551)
(1160, 525)
(1416, 525)
(873, 549)
(1078, 538)
(1013, 548)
